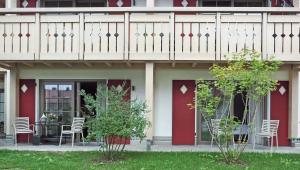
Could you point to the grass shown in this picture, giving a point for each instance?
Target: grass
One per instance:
(143, 161)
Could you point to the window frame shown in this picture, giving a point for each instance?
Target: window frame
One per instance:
(3, 111)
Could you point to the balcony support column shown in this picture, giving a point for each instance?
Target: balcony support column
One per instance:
(296, 3)
(10, 86)
(293, 102)
(149, 96)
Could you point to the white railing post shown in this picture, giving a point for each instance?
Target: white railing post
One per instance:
(218, 36)
(150, 3)
(126, 36)
(172, 35)
(81, 36)
(11, 3)
(37, 41)
(264, 35)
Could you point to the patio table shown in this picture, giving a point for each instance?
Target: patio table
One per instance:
(241, 130)
(49, 131)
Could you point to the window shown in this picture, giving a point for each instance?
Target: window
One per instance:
(74, 3)
(218, 3)
(139, 3)
(249, 3)
(90, 3)
(235, 3)
(1, 111)
(58, 3)
(164, 3)
(58, 101)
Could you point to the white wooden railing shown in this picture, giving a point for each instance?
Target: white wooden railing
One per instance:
(148, 33)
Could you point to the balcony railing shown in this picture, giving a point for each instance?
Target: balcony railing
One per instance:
(148, 33)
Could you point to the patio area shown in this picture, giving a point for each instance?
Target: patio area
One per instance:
(142, 147)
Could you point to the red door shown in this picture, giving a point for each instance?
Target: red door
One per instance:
(183, 119)
(127, 86)
(280, 110)
(26, 103)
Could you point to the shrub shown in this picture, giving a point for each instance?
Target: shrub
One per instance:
(116, 120)
(244, 74)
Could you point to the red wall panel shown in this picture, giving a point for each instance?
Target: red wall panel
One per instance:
(183, 119)
(27, 103)
(113, 3)
(280, 111)
(178, 3)
(31, 3)
(127, 86)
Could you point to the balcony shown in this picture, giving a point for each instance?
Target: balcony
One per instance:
(140, 34)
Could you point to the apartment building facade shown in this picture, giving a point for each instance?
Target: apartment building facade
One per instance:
(52, 49)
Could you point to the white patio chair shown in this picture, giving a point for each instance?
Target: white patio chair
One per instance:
(269, 129)
(215, 123)
(76, 127)
(21, 126)
(216, 131)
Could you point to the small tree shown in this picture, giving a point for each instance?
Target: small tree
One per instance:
(244, 74)
(116, 120)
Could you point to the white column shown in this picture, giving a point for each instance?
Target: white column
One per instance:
(11, 3)
(149, 90)
(293, 102)
(296, 3)
(150, 3)
(10, 99)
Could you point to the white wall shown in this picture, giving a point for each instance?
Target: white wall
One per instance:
(135, 75)
(163, 86)
(163, 94)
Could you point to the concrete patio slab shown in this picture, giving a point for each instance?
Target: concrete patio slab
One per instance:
(142, 147)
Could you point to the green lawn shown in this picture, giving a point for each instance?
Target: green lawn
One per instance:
(142, 161)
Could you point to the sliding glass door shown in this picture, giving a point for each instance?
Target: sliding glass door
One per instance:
(58, 101)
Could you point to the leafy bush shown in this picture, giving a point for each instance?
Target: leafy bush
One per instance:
(244, 74)
(116, 120)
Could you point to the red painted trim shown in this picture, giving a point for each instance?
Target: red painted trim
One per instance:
(127, 86)
(113, 3)
(191, 3)
(27, 104)
(31, 3)
(280, 111)
(183, 119)
(126, 83)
